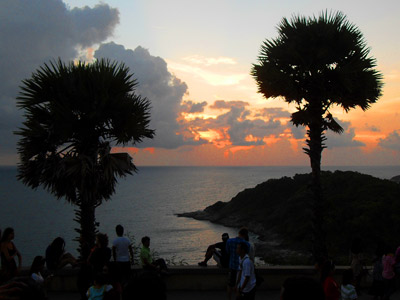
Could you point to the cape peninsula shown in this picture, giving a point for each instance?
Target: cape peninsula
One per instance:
(278, 211)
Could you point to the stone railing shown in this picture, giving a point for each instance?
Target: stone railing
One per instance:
(202, 278)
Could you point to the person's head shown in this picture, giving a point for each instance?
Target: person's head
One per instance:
(37, 264)
(225, 237)
(244, 233)
(8, 235)
(58, 244)
(241, 249)
(102, 240)
(327, 270)
(348, 277)
(119, 230)
(146, 241)
(295, 288)
(99, 279)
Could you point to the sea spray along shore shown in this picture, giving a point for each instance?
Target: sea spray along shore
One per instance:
(356, 206)
(146, 204)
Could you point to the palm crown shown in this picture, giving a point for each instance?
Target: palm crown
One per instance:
(74, 114)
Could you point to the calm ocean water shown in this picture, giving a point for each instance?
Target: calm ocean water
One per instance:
(145, 204)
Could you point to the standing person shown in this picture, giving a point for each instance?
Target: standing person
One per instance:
(56, 257)
(389, 280)
(246, 279)
(357, 262)
(147, 260)
(101, 254)
(348, 290)
(8, 253)
(218, 252)
(330, 286)
(122, 253)
(231, 246)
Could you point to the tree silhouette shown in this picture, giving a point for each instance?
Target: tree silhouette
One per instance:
(317, 63)
(73, 114)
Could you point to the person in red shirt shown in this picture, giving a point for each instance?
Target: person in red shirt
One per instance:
(330, 286)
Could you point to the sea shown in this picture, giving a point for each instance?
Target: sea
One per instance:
(146, 204)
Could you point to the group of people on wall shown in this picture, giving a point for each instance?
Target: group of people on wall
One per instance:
(101, 276)
(107, 271)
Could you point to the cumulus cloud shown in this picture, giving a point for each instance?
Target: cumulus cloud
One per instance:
(392, 141)
(237, 127)
(193, 107)
(34, 32)
(222, 104)
(162, 88)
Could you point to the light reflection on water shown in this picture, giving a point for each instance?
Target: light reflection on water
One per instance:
(145, 204)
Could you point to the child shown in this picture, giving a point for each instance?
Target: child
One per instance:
(330, 286)
(98, 289)
(389, 280)
(348, 290)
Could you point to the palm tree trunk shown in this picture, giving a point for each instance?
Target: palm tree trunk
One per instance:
(315, 144)
(85, 216)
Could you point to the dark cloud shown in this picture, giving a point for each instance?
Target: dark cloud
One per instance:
(298, 132)
(392, 141)
(334, 140)
(273, 112)
(372, 128)
(193, 107)
(34, 32)
(346, 139)
(163, 89)
(222, 104)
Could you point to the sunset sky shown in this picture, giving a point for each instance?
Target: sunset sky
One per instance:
(192, 60)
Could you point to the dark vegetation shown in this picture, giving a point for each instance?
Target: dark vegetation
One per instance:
(355, 205)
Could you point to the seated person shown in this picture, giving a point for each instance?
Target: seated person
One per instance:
(218, 252)
(56, 258)
(99, 289)
(146, 258)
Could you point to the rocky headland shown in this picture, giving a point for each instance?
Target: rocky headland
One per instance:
(278, 211)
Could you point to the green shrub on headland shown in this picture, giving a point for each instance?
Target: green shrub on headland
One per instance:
(355, 206)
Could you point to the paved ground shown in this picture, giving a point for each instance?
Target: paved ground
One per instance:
(208, 295)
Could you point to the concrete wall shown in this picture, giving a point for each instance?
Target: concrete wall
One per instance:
(203, 278)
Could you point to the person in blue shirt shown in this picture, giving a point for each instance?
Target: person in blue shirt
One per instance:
(231, 246)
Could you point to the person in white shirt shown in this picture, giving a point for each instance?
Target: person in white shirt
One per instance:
(246, 278)
(122, 253)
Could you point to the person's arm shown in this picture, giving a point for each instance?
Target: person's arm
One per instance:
(19, 256)
(114, 253)
(246, 280)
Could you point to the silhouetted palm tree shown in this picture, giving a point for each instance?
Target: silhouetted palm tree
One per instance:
(317, 63)
(74, 114)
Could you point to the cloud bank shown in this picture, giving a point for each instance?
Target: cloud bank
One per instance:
(34, 32)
